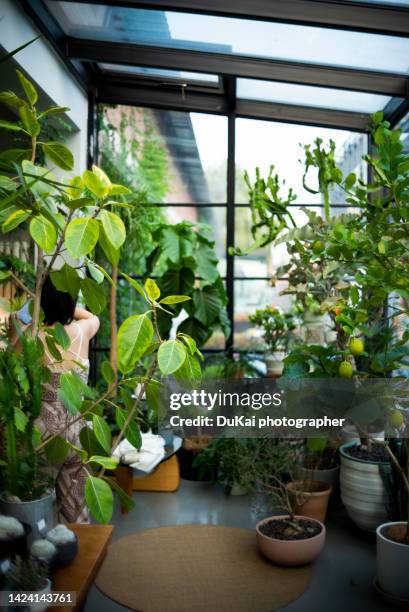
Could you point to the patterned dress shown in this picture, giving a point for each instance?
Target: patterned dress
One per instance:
(70, 476)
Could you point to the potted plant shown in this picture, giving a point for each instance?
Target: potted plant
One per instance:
(288, 539)
(310, 498)
(278, 332)
(13, 537)
(29, 575)
(66, 220)
(321, 461)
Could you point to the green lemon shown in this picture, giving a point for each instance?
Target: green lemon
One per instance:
(395, 419)
(345, 369)
(318, 247)
(356, 346)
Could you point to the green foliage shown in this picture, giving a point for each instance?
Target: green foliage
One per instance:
(277, 327)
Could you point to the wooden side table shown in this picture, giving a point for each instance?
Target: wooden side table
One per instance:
(80, 574)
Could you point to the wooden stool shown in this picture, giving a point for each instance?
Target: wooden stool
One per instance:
(164, 479)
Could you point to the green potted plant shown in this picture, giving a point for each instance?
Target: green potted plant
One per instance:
(32, 576)
(278, 333)
(66, 220)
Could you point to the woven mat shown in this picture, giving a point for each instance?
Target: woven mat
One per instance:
(192, 568)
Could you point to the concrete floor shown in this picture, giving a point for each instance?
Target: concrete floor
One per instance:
(342, 579)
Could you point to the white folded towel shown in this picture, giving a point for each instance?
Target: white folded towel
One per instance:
(147, 458)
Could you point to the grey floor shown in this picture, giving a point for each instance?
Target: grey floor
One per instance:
(342, 579)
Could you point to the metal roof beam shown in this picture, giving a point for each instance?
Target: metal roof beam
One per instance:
(360, 16)
(191, 101)
(237, 65)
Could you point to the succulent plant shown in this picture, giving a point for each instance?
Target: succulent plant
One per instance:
(27, 575)
(10, 528)
(60, 535)
(43, 550)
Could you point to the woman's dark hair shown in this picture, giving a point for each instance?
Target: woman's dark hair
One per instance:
(57, 306)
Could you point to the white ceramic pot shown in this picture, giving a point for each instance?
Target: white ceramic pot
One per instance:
(362, 490)
(274, 364)
(392, 564)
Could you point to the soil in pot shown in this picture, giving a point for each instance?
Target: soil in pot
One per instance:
(376, 453)
(285, 529)
(397, 533)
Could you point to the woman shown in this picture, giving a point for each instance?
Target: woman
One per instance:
(81, 326)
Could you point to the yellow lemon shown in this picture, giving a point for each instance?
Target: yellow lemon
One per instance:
(356, 346)
(345, 369)
(395, 419)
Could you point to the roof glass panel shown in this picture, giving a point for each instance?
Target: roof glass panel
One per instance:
(233, 36)
(386, 2)
(303, 95)
(159, 72)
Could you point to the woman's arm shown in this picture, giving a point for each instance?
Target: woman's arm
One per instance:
(89, 322)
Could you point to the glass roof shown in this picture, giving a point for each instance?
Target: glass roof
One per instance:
(280, 41)
(388, 2)
(159, 72)
(303, 95)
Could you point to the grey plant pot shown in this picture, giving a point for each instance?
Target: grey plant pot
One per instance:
(392, 564)
(32, 512)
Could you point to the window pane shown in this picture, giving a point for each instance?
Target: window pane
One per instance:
(302, 95)
(248, 296)
(159, 72)
(235, 36)
(174, 157)
(393, 2)
(262, 143)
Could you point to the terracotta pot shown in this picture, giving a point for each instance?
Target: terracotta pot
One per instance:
(290, 552)
(310, 498)
(330, 476)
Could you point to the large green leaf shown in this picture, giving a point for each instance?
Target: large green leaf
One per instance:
(152, 289)
(99, 498)
(132, 432)
(102, 432)
(43, 233)
(206, 304)
(81, 236)
(28, 87)
(10, 99)
(94, 295)
(171, 245)
(207, 263)
(71, 391)
(108, 372)
(8, 125)
(14, 220)
(114, 228)
(125, 500)
(56, 450)
(110, 252)
(194, 328)
(134, 337)
(90, 443)
(109, 463)
(171, 355)
(67, 280)
(190, 370)
(59, 154)
(29, 121)
(175, 299)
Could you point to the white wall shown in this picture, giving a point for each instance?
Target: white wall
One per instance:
(47, 70)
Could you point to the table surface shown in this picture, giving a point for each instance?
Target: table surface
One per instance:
(80, 574)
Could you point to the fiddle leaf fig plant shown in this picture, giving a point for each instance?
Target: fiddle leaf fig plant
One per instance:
(66, 219)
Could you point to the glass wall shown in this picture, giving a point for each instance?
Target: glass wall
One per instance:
(177, 161)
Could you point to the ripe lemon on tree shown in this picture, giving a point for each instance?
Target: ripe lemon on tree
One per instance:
(356, 346)
(345, 369)
(395, 419)
(318, 247)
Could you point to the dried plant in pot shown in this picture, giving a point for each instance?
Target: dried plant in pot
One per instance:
(29, 575)
(289, 539)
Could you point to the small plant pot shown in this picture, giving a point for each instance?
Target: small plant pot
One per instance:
(310, 498)
(32, 512)
(290, 552)
(363, 491)
(274, 364)
(66, 553)
(16, 546)
(41, 605)
(330, 476)
(392, 563)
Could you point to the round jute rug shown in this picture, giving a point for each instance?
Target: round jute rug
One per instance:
(192, 568)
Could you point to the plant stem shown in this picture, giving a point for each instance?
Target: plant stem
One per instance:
(113, 355)
(37, 292)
